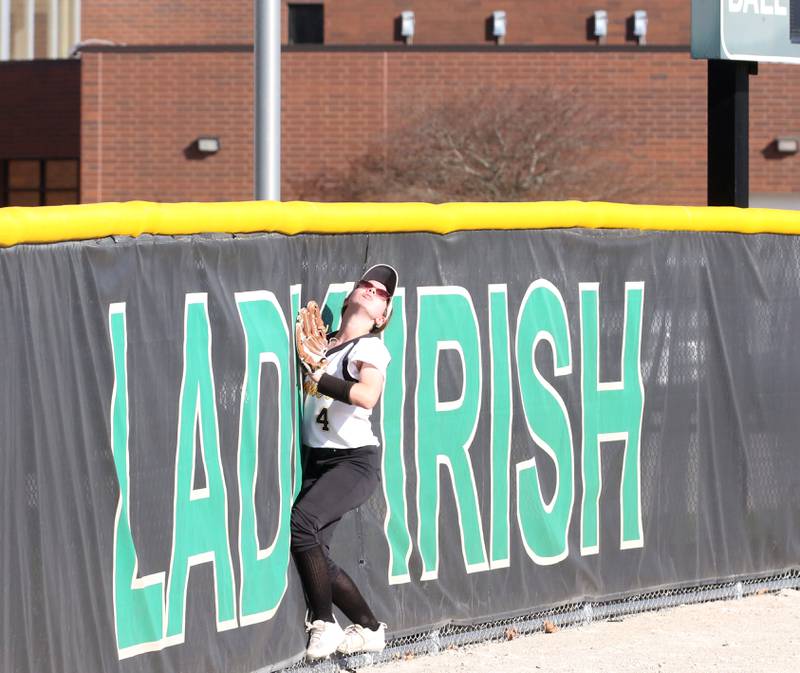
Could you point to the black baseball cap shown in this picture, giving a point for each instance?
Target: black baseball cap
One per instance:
(384, 274)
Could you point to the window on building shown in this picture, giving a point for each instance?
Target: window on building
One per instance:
(38, 28)
(39, 182)
(794, 21)
(306, 24)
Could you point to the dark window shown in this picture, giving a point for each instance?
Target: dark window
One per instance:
(794, 21)
(39, 182)
(306, 24)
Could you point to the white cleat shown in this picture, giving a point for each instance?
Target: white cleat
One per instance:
(360, 639)
(324, 639)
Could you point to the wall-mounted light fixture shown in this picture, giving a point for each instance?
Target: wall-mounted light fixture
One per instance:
(640, 26)
(499, 26)
(600, 25)
(407, 26)
(787, 145)
(207, 144)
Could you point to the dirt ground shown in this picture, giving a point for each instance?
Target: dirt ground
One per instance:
(756, 634)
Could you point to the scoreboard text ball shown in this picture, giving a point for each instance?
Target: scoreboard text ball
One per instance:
(746, 30)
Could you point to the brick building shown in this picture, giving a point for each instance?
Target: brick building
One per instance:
(104, 100)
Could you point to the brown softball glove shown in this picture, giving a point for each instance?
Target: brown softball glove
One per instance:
(311, 337)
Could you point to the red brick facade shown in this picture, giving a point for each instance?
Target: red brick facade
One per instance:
(665, 144)
(774, 111)
(138, 128)
(359, 22)
(158, 22)
(135, 128)
(528, 21)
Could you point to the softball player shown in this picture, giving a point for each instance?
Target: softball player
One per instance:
(341, 465)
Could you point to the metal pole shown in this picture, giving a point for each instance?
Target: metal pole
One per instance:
(5, 30)
(76, 23)
(53, 27)
(728, 132)
(268, 100)
(30, 29)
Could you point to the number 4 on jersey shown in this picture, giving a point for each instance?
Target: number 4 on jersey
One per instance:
(322, 419)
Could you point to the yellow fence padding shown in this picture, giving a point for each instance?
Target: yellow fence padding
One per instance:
(70, 223)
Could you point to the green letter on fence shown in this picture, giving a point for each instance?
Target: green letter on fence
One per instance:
(543, 523)
(264, 568)
(294, 294)
(331, 306)
(200, 528)
(612, 411)
(394, 474)
(446, 320)
(501, 424)
(138, 601)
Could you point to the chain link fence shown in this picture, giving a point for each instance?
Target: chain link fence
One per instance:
(451, 636)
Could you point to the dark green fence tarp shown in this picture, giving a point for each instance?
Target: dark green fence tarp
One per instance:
(569, 414)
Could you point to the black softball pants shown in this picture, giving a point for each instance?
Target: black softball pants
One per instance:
(334, 482)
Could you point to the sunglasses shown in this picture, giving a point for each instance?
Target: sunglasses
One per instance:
(383, 294)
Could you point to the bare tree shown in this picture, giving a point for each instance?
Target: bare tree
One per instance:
(492, 145)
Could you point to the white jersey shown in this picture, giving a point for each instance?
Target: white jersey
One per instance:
(330, 424)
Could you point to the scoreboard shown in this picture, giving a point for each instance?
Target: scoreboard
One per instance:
(746, 30)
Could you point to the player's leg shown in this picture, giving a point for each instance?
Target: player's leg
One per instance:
(346, 480)
(365, 634)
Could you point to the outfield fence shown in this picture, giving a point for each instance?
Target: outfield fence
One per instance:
(591, 410)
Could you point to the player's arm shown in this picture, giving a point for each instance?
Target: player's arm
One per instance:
(364, 393)
(367, 391)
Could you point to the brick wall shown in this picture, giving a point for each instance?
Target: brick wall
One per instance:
(136, 127)
(529, 21)
(173, 22)
(625, 86)
(39, 109)
(774, 112)
(372, 21)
